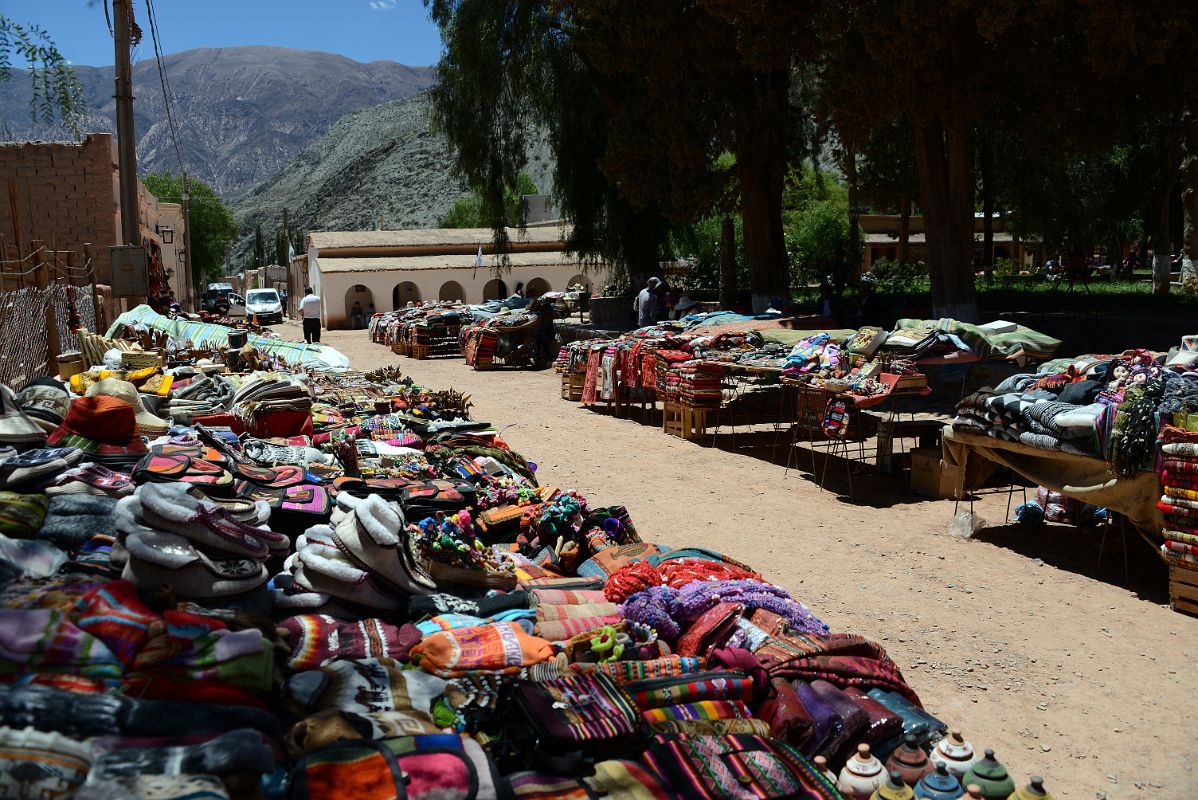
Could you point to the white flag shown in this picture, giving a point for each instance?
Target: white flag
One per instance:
(290, 253)
(478, 259)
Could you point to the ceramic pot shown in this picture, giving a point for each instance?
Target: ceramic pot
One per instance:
(821, 765)
(1033, 791)
(862, 774)
(893, 789)
(939, 785)
(955, 753)
(910, 760)
(991, 777)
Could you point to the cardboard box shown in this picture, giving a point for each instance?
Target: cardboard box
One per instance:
(929, 475)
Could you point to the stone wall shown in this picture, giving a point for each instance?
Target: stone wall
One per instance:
(66, 195)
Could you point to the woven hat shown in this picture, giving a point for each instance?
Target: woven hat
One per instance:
(99, 424)
(15, 426)
(147, 423)
(45, 401)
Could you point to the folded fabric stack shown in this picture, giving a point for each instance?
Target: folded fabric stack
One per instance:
(203, 396)
(699, 384)
(1179, 499)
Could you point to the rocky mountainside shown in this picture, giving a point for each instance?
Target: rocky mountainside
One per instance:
(381, 167)
(243, 112)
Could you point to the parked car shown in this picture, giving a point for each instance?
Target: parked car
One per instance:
(264, 304)
(227, 303)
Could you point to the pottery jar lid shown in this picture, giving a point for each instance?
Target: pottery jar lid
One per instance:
(940, 781)
(863, 763)
(955, 747)
(990, 768)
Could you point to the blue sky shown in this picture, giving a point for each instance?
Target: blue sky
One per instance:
(364, 30)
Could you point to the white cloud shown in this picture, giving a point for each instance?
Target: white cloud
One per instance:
(382, 5)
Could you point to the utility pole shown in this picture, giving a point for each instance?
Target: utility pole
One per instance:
(187, 267)
(122, 24)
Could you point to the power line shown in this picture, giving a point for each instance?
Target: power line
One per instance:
(152, 16)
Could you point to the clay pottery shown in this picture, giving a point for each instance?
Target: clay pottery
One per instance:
(895, 788)
(939, 785)
(955, 753)
(821, 765)
(991, 777)
(862, 774)
(910, 760)
(1033, 791)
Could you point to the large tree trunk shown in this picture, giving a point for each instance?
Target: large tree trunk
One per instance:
(854, 254)
(761, 128)
(1170, 159)
(904, 244)
(943, 157)
(728, 263)
(1189, 206)
(986, 168)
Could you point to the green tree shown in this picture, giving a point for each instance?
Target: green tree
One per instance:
(467, 210)
(509, 74)
(56, 91)
(212, 224)
(259, 253)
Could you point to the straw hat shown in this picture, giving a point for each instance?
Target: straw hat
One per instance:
(16, 427)
(147, 423)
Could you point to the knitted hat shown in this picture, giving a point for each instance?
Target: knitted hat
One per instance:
(42, 764)
(22, 514)
(15, 426)
(147, 423)
(45, 401)
(317, 639)
(102, 425)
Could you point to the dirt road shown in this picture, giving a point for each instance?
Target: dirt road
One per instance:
(1019, 637)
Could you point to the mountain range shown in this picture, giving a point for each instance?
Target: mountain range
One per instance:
(382, 167)
(243, 112)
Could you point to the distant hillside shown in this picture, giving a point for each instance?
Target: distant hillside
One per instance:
(379, 167)
(243, 112)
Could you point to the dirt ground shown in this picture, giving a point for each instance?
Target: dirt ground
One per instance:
(1022, 638)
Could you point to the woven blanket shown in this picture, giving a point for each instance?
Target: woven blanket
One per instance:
(1181, 450)
(559, 630)
(841, 659)
(1179, 466)
(565, 612)
(666, 667)
(1181, 536)
(1181, 494)
(563, 597)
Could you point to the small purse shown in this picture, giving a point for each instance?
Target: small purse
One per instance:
(736, 767)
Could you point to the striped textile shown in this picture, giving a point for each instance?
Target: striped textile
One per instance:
(705, 709)
(665, 667)
(718, 767)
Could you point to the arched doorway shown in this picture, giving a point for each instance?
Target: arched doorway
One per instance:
(536, 287)
(404, 293)
(580, 280)
(452, 290)
(495, 289)
(360, 294)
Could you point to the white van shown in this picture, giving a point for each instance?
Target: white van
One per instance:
(265, 304)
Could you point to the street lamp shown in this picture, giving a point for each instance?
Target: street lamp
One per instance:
(166, 232)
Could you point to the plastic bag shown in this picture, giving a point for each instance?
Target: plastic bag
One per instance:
(965, 524)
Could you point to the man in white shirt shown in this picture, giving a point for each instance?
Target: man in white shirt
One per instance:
(310, 313)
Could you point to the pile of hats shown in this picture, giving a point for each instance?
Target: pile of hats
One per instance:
(199, 396)
(168, 533)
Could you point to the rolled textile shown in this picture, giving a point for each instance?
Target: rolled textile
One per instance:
(559, 630)
(1181, 466)
(1181, 536)
(1181, 449)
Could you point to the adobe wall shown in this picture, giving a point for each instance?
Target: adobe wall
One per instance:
(66, 195)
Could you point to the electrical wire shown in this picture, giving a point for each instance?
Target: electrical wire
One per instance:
(152, 16)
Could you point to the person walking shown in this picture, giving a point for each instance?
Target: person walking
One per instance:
(310, 312)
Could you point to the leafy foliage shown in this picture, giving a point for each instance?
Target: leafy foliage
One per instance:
(212, 224)
(56, 90)
(467, 210)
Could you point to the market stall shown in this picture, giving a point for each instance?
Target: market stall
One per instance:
(425, 330)
(1114, 431)
(340, 584)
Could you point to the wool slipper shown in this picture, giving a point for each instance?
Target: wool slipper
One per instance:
(375, 537)
(170, 507)
(326, 570)
(92, 479)
(159, 558)
(36, 465)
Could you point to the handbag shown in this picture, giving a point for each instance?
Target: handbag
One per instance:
(425, 767)
(581, 717)
(736, 767)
